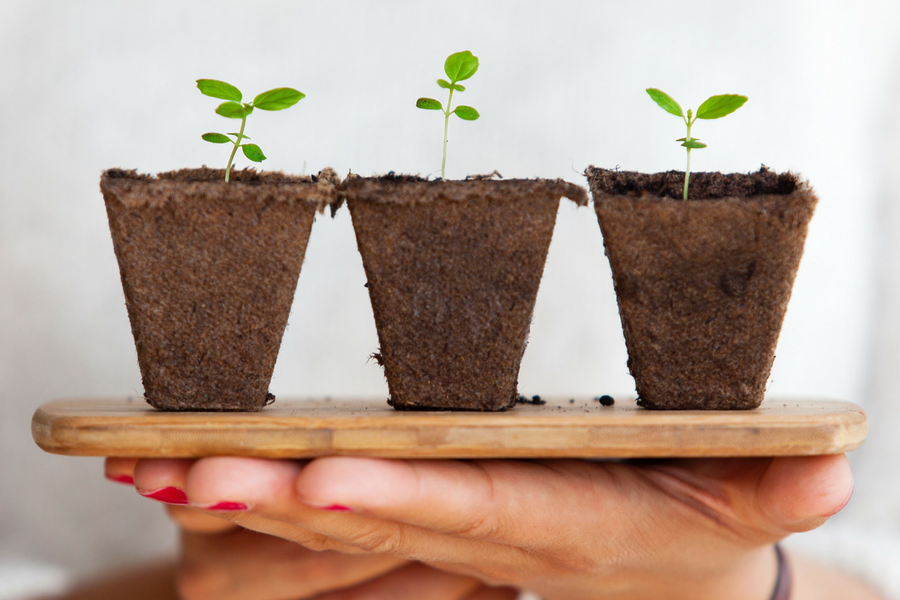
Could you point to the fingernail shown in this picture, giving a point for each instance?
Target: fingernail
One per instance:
(125, 479)
(227, 507)
(169, 495)
(336, 508)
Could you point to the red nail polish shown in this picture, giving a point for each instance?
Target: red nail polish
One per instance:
(126, 479)
(228, 506)
(169, 495)
(337, 508)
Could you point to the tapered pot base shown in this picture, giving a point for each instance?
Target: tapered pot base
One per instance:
(702, 285)
(209, 271)
(453, 271)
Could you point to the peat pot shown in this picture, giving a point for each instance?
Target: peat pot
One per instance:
(702, 284)
(209, 271)
(453, 270)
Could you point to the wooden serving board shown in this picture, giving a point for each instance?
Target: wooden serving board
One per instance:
(559, 429)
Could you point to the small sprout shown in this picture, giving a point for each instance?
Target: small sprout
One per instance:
(458, 67)
(234, 108)
(714, 107)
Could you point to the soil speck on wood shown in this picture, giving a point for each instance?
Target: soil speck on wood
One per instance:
(534, 400)
(605, 400)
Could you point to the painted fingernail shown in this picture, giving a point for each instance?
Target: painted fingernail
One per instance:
(125, 479)
(227, 506)
(336, 508)
(169, 495)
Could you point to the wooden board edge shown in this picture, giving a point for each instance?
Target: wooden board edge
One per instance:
(839, 440)
(64, 435)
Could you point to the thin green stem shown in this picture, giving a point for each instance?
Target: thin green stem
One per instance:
(446, 125)
(687, 171)
(237, 144)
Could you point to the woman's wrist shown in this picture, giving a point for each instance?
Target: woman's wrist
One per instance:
(752, 578)
(815, 581)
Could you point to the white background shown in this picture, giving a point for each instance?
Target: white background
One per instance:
(91, 85)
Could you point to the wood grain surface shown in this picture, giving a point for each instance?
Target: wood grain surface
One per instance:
(559, 429)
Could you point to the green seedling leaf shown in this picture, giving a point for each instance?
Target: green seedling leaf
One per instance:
(451, 86)
(278, 99)
(234, 110)
(219, 89)
(466, 113)
(253, 152)
(717, 107)
(216, 138)
(460, 66)
(666, 102)
(429, 104)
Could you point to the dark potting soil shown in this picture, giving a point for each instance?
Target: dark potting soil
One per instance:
(702, 285)
(248, 175)
(453, 269)
(209, 271)
(703, 186)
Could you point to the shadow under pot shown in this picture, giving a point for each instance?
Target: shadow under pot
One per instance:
(702, 284)
(209, 271)
(453, 270)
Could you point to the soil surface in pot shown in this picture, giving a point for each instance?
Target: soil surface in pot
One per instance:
(453, 270)
(209, 271)
(703, 284)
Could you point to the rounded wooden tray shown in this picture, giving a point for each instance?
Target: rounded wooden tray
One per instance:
(559, 429)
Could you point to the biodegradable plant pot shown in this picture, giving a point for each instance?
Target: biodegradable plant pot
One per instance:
(209, 271)
(702, 284)
(453, 270)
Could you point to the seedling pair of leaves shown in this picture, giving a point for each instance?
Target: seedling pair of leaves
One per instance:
(234, 108)
(458, 67)
(715, 107)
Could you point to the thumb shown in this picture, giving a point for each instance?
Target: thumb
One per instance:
(800, 493)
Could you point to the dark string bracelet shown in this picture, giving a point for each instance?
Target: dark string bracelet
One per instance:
(784, 579)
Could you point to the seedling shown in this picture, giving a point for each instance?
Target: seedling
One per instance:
(277, 99)
(714, 107)
(458, 67)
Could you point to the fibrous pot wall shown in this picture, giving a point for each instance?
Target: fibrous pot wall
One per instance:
(702, 285)
(453, 271)
(209, 271)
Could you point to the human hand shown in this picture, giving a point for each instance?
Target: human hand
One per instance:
(222, 561)
(565, 529)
